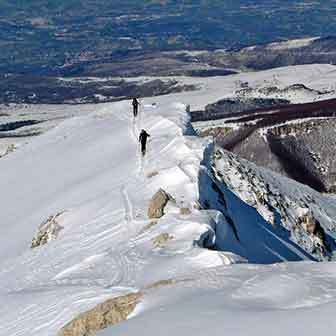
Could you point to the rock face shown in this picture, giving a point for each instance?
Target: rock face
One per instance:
(315, 232)
(108, 313)
(302, 150)
(48, 230)
(185, 211)
(282, 204)
(309, 147)
(157, 204)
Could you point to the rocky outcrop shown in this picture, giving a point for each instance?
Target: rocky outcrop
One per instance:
(158, 203)
(152, 174)
(162, 239)
(106, 314)
(148, 226)
(185, 211)
(316, 233)
(306, 216)
(110, 312)
(48, 230)
(302, 150)
(306, 151)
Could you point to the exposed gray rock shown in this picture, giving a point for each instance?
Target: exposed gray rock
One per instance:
(148, 226)
(309, 145)
(315, 232)
(302, 150)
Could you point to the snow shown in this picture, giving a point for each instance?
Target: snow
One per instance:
(319, 77)
(89, 169)
(282, 299)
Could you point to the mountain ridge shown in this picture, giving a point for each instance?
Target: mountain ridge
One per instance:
(107, 247)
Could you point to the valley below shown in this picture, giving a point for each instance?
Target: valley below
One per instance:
(224, 225)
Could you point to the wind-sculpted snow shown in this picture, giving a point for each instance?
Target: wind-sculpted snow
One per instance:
(89, 168)
(281, 299)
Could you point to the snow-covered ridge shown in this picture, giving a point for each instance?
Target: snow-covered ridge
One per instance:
(89, 171)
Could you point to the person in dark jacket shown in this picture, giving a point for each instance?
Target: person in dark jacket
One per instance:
(135, 104)
(143, 141)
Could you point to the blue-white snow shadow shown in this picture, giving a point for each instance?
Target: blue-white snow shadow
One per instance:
(263, 243)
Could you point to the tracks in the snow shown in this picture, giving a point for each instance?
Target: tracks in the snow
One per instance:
(129, 217)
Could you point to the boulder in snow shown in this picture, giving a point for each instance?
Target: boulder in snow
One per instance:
(108, 313)
(162, 239)
(158, 204)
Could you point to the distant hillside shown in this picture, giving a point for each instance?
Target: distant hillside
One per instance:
(41, 36)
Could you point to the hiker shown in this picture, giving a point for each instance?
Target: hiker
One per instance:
(143, 141)
(135, 104)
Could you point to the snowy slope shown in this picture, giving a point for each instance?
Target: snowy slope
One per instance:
(282, 299)
(88, 171)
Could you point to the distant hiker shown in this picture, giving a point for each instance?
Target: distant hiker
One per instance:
(143, 141)
(135, 104)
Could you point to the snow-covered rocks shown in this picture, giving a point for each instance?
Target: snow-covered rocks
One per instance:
(279, 202)
(162, 239)
(48, 230)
